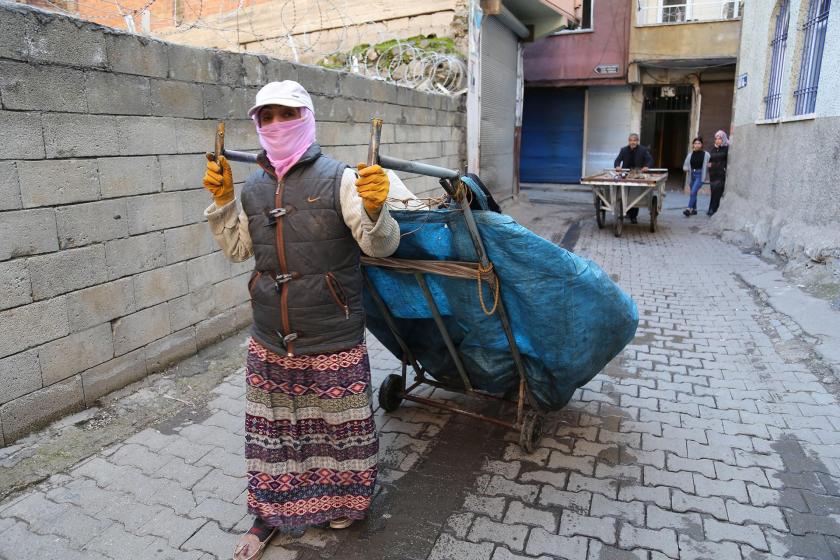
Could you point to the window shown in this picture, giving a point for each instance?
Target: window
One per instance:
(730, 9)
(582, 18)
(773, 100)
(674, 11)
(812, 51)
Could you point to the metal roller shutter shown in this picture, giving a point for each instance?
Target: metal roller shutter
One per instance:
(608, 113)
(715, 109)
(552, 135)
(499, 54)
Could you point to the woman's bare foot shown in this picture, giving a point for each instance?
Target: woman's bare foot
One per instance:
(341, 523)
(252, 543)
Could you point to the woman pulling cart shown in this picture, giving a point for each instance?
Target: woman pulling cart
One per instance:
(311, 445)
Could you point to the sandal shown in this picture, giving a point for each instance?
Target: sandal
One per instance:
(341, 523)
(263, 532)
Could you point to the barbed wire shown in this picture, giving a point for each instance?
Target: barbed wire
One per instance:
(238, 29)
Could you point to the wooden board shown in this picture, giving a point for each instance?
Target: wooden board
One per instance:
(646, 179)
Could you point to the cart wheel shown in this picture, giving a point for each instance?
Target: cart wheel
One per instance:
(531, 433)
(619, 218)
(391, 393)
(654, 213)
(600, 213)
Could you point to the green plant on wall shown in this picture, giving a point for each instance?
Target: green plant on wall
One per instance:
(387, 53)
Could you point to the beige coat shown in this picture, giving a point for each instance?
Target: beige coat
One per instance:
(378, 238)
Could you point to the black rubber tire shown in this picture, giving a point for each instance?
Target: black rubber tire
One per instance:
(391, 393)
(600, 213)
(654, 213)
(619, 218)
(531, 432)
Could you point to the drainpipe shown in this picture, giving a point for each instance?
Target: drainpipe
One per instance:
(694, 79)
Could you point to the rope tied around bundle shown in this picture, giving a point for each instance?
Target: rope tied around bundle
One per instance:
(480, 272)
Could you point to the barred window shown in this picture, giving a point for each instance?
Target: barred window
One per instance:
(812, 51)
(773, 100)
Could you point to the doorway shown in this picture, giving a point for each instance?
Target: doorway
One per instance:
(666, 124)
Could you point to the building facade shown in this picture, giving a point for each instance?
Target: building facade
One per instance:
(660, 68)
(577, 103)
(682, 58)
(783, 184)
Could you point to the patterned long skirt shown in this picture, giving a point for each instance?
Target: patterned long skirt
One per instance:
(310, 442)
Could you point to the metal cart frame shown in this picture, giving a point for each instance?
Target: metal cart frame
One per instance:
(530, 417)
(619, 191)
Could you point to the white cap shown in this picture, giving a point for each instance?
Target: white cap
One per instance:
(287, 92)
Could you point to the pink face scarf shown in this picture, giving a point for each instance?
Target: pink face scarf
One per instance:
(285, 142)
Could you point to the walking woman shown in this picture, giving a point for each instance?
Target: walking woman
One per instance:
(695, 167)
(717, 170)
(310, 444)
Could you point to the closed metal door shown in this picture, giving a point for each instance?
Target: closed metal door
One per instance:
(499, 55)
(552, 135)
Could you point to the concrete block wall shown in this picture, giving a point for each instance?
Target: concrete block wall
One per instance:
(107, 270)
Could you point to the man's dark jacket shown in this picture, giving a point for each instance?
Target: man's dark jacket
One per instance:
(631, 159)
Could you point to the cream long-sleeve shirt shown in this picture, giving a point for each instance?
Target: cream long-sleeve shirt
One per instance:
(378, 238)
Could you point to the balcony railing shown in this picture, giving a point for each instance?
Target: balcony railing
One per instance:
(652, 12)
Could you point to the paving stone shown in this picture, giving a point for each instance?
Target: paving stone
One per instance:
(803, 523)
(139, 456)
(662, 540)
(116, 542)
(556, 479)
(660, 495)
(501, 486)
(740, 513)
(492, 507)
(190, 451)
(210, 538)
(683, 523)
(653, 458)
(507, 469)
(599, 551)
(747, 534)
(702, 466)
(583, 465)
(687, 502)
(805, 546)
(40, 546)
(219, 485)
(175, 529)
(747, 474)
(633, 512)
(511, 535)
(448, 547)
(577, 501)
(459, 524)
(601, 528)
(728, 489)
(691, 549)
(607, 487)
(502, 553)
(630, 473)
(541, 541)
(656, 477)
(520, 513)
(231, 464)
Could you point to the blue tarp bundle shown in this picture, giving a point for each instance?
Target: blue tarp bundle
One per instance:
(569, 318)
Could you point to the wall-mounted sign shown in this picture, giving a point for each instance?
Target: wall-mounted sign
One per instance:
(606, 69)
(668, 91)
(742, 81)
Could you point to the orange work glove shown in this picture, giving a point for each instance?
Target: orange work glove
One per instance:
(218, 179)
(372, 185)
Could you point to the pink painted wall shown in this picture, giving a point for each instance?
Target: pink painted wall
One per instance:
(570, 59)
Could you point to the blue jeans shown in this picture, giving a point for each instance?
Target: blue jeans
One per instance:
(696, 183)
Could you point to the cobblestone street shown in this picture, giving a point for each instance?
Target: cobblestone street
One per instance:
(713, 435)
